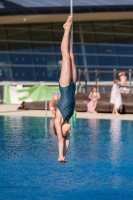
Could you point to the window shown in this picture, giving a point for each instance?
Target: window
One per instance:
(105, 76)
(79, 59)
(41, 35)
(106, 49)
(57, 36)
(92, 60)
(77, 38)
(77, 48)
(18, 32)
(41, 73)
(122, 26)
(21, 59)
(104, 32)
(23, 73)
(87, 26)
(43, 47)
(52, 74)
(45, 59)
(90, 48)
(4, 58)
(123, 32)
(19, 38)
(59, 59)
(20, 46)
(34, 51)
(126, 61)
(5, 73)
(88, 38)
(125, 49)
(108, 60)
(47, 73)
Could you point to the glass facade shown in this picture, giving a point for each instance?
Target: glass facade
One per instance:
(32, 52)
(57, 3)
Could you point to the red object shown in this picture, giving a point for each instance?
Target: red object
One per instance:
(52, 104)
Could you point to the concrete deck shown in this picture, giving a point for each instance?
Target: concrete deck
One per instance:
(11, 110)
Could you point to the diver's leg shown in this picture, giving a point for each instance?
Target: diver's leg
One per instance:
(73, 65)
(65, 79)
(66, 74)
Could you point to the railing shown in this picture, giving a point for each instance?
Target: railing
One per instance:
(1, 93)
(22, 84)
(102, 86)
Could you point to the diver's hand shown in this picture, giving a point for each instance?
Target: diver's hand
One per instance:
(62, 160)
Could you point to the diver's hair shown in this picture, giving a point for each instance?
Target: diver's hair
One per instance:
(116, 81)
(54, 128)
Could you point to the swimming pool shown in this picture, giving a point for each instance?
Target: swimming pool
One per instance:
(100, 160)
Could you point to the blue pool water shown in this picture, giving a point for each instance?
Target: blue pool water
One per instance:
(100, 160)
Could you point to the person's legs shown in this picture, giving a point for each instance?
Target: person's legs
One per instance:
(74, 73)
(66, 144)
(66, 73)
(73, 65)
(65, 79)
(115, 110)
(94, 107)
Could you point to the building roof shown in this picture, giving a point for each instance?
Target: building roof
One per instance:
(60, 3)
(17, 7)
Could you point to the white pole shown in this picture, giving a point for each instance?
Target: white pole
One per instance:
(71, 13)
(71, 7)
(46, 111)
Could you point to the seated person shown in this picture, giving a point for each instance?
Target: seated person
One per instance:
(123, 77)
(22, 107)
(94, 96)
(123, 81)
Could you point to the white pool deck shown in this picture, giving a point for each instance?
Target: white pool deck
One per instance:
(11, 110)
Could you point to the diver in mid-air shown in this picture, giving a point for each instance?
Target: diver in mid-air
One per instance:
(67, 87)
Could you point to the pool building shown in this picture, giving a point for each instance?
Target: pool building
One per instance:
(31, 33)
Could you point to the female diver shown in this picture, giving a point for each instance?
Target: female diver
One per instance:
(67, 87)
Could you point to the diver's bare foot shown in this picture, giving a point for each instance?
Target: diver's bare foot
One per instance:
(68, 23)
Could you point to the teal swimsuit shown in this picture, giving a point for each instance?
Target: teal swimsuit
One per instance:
(67, 101)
